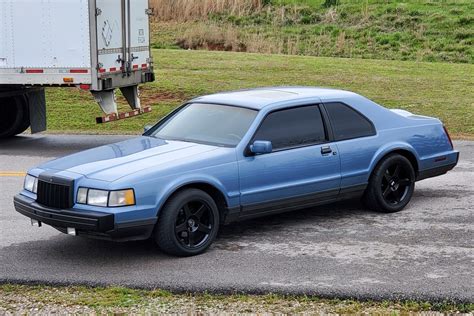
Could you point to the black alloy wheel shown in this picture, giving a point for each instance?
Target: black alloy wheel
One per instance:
(391, 185)
(188, 223)
(194, 224)
(396, 184)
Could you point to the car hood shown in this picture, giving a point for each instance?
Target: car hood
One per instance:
(114, 161)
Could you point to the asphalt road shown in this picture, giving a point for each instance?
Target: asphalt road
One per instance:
(425, 252)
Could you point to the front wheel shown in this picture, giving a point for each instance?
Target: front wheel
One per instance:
(188, 223)
(391, 185)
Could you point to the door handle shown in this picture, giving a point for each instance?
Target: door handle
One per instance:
(326, 150)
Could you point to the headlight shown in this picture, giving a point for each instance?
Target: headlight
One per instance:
(97, 197)
(82, 195)
(31, 183)
(105, 198)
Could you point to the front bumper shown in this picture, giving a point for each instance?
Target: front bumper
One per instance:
(86, 223)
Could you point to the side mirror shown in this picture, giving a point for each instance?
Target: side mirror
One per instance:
(260, 147)
(147, 128)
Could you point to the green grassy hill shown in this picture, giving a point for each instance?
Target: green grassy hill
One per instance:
(422, 30)
(407, 34)
(437, 89)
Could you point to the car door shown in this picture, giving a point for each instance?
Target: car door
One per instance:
(302, 170)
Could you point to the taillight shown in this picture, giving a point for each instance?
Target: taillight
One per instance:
(449, 137)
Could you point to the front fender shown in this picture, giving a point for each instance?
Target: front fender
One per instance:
(231, 198)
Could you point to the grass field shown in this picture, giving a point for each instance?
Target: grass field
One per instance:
(422, 30)
(442, 90)
(17, 299)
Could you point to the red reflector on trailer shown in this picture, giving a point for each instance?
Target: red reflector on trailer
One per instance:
(113, 69)
(121, 116)
(144, 66)
(79, 71)
(34, 71)
(85, 86)
(101, 70)
(135, 66)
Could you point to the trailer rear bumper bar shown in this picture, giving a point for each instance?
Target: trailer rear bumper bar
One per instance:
(120, 116)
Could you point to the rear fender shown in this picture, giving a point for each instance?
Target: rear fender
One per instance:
(390, 148)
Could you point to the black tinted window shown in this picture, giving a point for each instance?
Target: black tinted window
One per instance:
(293, 127)
(348, 123)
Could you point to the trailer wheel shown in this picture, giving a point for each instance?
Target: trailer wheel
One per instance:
(14, 116)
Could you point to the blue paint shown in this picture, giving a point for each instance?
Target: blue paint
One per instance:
(155, 168)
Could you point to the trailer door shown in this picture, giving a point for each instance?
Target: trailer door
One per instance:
(122, 35)
(139, 34)
(110, 35)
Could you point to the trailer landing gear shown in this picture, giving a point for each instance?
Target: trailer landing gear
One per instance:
(108, 104)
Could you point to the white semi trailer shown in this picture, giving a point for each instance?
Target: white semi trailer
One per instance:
(96, 45)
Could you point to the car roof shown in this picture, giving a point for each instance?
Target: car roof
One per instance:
(260, 98)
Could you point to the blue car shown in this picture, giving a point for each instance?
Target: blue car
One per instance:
(238, 155)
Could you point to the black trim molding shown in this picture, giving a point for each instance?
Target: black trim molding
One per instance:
(300, 202)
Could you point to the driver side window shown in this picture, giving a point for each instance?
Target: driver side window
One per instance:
(292, 128)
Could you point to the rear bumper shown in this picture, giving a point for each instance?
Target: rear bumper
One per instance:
(88, 224)
(439, 170)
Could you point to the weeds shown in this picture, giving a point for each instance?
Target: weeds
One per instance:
(189, 10)
(421, 30)
(19, 299)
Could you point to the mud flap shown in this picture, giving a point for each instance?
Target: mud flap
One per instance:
(37, 109)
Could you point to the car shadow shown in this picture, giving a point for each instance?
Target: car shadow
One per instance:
(67, 249)
(317, 215)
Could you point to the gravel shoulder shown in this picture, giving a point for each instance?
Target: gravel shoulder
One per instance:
(15, 299)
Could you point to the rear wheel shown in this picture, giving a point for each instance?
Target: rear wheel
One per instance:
(391, 185)
(14, 116)
(188, 223)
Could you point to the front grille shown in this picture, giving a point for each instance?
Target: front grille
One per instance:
(54, 195)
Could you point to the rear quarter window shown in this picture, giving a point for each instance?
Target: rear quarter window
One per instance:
(347, 123)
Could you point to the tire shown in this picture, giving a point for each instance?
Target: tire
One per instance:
(188, 223)
(14, 116)
(391, 185)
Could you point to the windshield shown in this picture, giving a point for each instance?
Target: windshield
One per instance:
(207, 123)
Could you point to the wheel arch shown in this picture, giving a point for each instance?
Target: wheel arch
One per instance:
(403, 150)
(216, 193)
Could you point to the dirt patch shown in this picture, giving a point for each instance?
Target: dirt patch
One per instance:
(150, 96)
(212, 45)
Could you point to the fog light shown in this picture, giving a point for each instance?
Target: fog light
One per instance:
(71, 231)
(36, 223)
